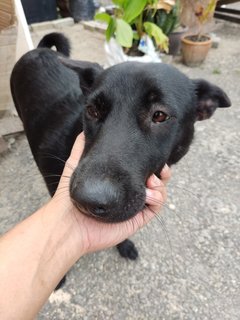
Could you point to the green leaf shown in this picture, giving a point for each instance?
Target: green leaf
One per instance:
(133, 9)
(111, 24)
(160, 38)
(120, 3)
(103, 17)
(124, 33)
(110, 29)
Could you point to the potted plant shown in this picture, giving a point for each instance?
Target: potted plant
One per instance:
(195, 46)
(129, 28)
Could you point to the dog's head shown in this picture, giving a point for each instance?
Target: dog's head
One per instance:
(137, 118)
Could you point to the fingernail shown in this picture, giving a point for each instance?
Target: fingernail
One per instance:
(149, 193)
(165, 167)
(155, 180)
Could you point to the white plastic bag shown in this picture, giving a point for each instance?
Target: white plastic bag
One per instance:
(116, 55)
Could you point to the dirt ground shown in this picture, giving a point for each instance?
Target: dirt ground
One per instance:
(191, 268)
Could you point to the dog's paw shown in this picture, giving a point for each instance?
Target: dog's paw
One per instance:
(61, 283)
(127, 249)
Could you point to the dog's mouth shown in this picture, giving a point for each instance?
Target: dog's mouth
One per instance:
(112, 216)
(87, 212)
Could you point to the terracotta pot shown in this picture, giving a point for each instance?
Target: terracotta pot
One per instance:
(195, 52)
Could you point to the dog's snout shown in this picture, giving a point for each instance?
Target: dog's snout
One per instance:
(97, 197)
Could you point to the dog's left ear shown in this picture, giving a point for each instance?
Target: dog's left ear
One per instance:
(86, 71)
(209, 98)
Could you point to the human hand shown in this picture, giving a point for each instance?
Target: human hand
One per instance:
(94, 235)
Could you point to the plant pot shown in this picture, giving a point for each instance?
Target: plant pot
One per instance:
(175, 41)
(82, 10)
(194, 52)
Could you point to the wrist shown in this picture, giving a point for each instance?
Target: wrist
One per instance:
(66, 229)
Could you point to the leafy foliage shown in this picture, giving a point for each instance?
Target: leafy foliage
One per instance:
(154, 31)
(129, 22)
(167, 19)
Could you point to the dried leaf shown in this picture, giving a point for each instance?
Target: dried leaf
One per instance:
(166, 5)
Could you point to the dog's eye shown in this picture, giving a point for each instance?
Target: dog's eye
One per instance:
(160, 116)
(93, 112)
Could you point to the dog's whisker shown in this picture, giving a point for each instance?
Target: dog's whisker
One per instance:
(169, 208)
(60, 198)
(157, 202)
(178, 216)
(64, 192)
(56, 175)
(57, 182)
(145, 212)
(66, 184)
(61, 195)
(164, 228)
(52, 156)
(180, 219)
(180, 187)
(63, 187)
(53, 183)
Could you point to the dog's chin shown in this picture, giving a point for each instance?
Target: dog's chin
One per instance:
(112, 217)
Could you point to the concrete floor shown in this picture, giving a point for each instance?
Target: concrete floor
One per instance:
(190, 270)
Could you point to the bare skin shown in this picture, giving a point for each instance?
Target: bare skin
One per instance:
(38, 252)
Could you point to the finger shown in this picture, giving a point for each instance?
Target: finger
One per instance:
(156, 192)
(77, 149)
(74, 157)
(153, 182)
(165, 174)
(155, 197)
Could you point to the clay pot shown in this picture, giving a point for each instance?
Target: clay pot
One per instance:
(194, 52)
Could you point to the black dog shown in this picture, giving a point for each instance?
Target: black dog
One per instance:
(136, 117)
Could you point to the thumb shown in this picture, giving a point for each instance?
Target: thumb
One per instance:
(75, 155)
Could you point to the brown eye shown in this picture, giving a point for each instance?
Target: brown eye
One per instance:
(93, 112)
(160, 116)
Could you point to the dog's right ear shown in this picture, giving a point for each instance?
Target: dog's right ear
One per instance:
(86, 71)
(209, 98)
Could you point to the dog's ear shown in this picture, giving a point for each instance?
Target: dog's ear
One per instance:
(209, 98)
(86, 71)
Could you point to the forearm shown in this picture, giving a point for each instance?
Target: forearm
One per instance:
(43, 247)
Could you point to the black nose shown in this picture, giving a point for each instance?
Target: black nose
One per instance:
(98, 197)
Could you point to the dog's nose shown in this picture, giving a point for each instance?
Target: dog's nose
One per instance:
(98, 197)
